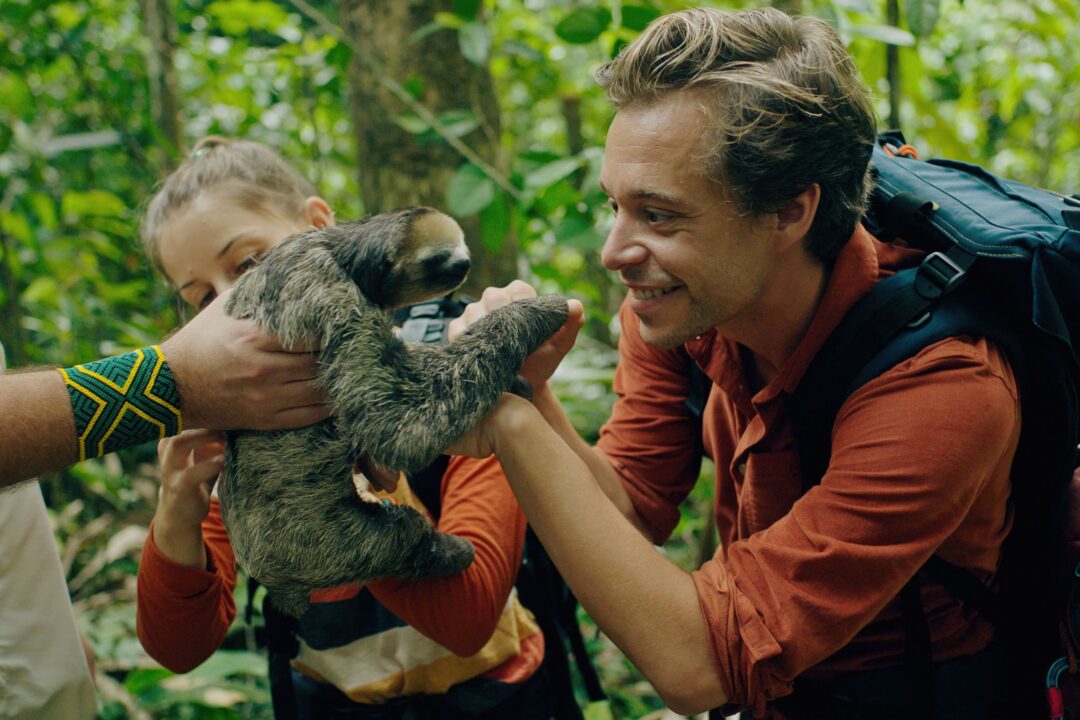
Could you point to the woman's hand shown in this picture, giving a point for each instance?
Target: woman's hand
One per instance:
(539, 366)
(190, 465)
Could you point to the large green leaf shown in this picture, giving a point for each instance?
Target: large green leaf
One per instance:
(339, 56)
(75, 204)
(495, 221)
(239, 17)
(140, 680)
(583, 25)
(467, 9)
(638, 17)
(475, 43)
(17, 226)
(40, 290)
(15, 92)
(598, 710)
(921, 16)
(578, 231)
(67, 14)
(469, 192)
(551, 172)
(884, 33)
(44, 208)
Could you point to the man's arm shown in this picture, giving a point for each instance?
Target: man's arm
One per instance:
(229, 374)
(600, 468)
(37, 434)
(538, 369)
(647, 605)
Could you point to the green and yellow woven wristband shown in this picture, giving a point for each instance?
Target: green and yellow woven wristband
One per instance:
(123, 401)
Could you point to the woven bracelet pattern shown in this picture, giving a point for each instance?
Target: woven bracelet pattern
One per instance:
(123, 401)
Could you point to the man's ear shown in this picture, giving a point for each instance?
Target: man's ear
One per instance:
(317, 212)
(793, 221)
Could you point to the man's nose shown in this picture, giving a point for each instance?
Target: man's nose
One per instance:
(622, 249)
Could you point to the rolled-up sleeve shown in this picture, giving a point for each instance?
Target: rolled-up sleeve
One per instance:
(652, 440)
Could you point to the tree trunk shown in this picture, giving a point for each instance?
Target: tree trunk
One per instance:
(398, 168)
(892, 66)
(11, 317)
(160, 27)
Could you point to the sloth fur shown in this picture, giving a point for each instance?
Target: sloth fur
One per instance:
(295, 520)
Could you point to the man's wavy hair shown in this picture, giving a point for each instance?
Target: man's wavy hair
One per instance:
(785, 103)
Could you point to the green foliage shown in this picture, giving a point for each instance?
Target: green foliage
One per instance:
(583, 25)
(80, 151)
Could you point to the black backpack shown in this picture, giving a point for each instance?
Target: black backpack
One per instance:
(540, 587)
(1003, 262)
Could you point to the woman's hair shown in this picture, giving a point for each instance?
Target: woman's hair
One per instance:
(252, 174)
(785, 105)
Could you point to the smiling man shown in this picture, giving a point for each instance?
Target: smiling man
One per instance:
(737, 168)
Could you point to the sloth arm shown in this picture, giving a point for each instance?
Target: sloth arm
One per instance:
(182, 613)
(460, 612)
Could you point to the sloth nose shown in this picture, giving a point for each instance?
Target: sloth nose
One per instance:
(459, 266)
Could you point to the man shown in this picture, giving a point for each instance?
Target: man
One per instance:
(737, 170)
(228, 373)
(225, 373)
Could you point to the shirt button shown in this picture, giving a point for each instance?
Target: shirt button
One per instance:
(741, 468)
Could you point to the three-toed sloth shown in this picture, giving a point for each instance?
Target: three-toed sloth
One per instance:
(295, 520)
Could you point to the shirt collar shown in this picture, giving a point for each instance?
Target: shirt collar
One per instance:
(862, 261)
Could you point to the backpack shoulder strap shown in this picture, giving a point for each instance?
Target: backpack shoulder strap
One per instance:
(871, 339)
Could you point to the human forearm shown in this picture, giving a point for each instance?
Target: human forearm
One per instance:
(602, 471)
(182, 613)
(461, 611)
(37, 434)
(183, 544)
(616, 574)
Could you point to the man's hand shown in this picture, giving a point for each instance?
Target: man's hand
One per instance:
(539, 366)
(233, 375)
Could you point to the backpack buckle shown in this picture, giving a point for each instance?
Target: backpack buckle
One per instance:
(937, 275)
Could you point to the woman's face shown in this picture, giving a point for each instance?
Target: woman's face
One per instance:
(213, 240)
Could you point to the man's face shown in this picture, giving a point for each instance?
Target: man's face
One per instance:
(690, 260)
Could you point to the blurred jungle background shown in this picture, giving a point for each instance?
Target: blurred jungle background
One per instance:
(485, 108)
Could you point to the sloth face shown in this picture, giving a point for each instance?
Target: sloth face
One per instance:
(403, 258)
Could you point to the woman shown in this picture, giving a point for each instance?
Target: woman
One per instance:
(454, 647)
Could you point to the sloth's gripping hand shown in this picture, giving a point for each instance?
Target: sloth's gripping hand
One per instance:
(541, 364)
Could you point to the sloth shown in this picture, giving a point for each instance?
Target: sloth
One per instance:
(295, 519)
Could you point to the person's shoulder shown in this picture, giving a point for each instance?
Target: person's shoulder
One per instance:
(978, 357)
(960, 381)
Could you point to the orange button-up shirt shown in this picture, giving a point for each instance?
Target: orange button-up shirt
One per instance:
(806, 583)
